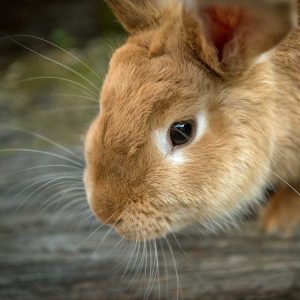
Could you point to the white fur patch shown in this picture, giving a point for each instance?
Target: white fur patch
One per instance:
(201, 126)
(178, 155)
(262, 58)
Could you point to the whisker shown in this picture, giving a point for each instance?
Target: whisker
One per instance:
(41, 179)
(56, 62)
(175, 268)
(90, 93)
(136, 257)
(107, 233)
(140, 267)
(151, 279)
(102, 225)
(177, 242)
(115, 247)
(88, 237)
(127, 265)
(146, 259)
(166, 269)
(43, 153)
(157, 268)
(78, 96)
(123, 263)
(46, 139)
(43, 186)
(154, 277)
(97, 212)
(78, 214)
(71, 203)
(62, 109)
(101, 242)
(284, 181)
(42, 167)
(64, 193)
(57, 47)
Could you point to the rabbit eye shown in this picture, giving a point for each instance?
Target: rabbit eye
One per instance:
(182, 132)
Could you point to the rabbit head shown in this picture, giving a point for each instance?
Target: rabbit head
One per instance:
(185, 133)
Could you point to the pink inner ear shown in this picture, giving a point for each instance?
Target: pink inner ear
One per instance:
(224, 21)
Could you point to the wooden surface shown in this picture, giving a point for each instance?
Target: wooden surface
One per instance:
(50, 255)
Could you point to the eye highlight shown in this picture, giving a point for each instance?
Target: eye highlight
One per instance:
(182, 132)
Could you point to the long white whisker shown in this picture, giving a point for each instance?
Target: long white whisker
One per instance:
(42, 167)
(107, 233)
(43, 153)
(127, 265)
(101, 242)
(88, 237)
(63, 193)
(166, 269)
(102, 225)
(298, 193)
(46, 139)
(56, 62)
(154, 268)
(58, 47)
(42, 187)
(63, 109)
(148, 289)
(42, 179)
(90, 93)
(157, 266)
(135, 264)
(74, 202)
(116, 245)
(175, 268)
(78, 96)
(177, 242)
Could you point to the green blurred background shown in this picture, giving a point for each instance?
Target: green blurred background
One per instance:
(86, 29)
(67, 23)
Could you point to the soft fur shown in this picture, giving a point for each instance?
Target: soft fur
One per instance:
(237, 62)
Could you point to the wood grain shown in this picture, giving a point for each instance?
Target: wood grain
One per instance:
(49, 255)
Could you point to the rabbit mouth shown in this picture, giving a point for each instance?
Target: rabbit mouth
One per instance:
(138, 227)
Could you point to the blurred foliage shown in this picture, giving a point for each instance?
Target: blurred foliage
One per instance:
(64, 22)
(62, 38)
(39, 94)
(36, 92)
(107, 20)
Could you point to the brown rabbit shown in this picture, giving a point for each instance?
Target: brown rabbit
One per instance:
(200, 113)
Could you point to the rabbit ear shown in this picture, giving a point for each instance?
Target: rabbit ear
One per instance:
(136, 15)
(230, 35)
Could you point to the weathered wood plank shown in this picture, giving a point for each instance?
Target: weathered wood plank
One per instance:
(48, 255)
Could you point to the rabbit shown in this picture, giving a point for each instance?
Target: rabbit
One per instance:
(199, 115)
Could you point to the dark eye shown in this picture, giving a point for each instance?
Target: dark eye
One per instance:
(182, 132)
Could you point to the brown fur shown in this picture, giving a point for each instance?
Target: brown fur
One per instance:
(282, 213)
(168, 71)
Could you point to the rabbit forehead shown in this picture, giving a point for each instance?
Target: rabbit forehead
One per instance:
(142, 92)
(144, 84)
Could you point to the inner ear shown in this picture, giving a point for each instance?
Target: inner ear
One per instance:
(229, 36)
(223, 23)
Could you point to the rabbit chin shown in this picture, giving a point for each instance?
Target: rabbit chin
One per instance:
(140, 227)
